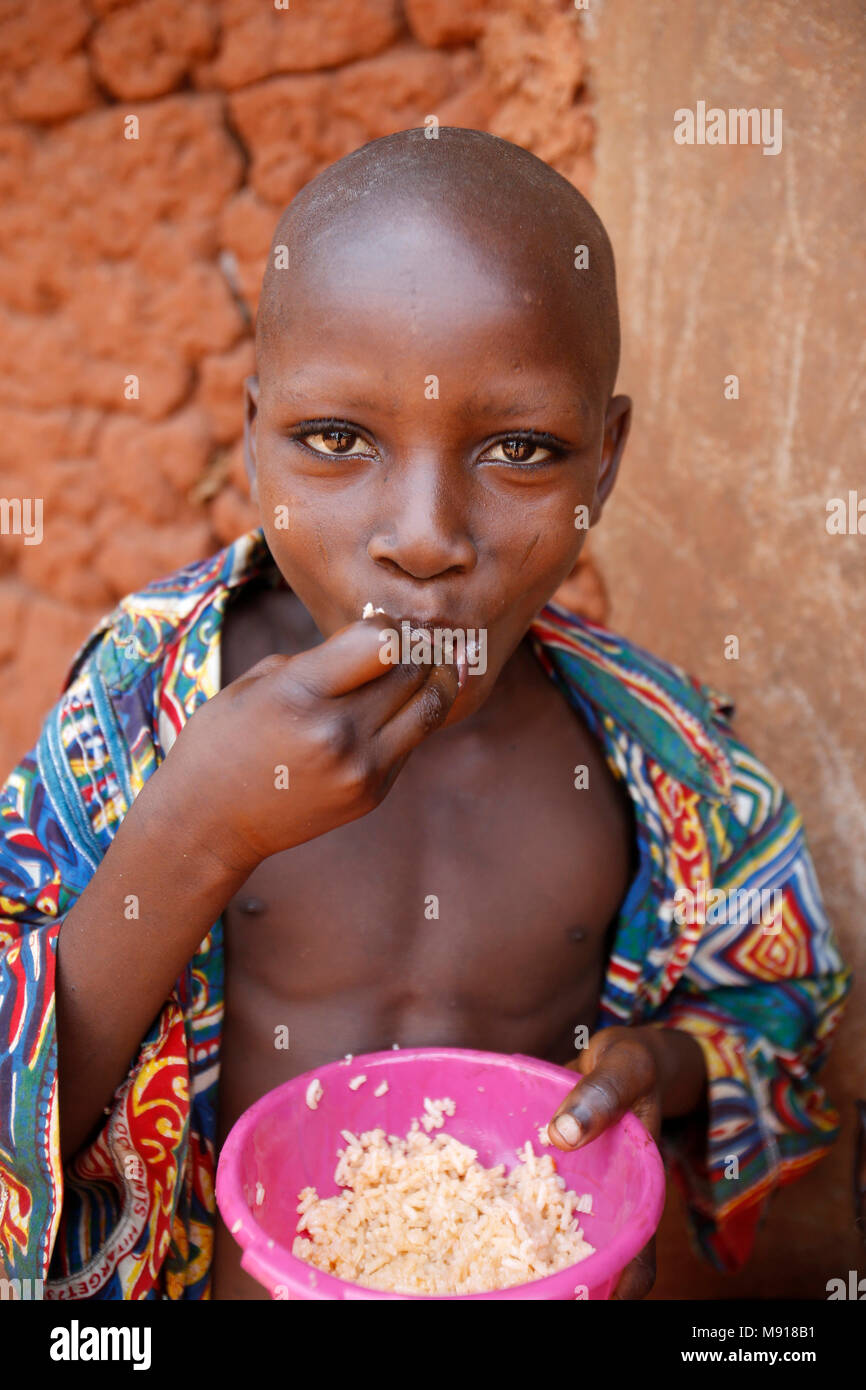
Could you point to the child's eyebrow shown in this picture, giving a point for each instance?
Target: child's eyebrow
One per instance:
(287, 397)
(494, 405)
(514, 407)
(469, 410)
(500, 405)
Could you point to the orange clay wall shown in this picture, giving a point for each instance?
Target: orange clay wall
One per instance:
(142, 257)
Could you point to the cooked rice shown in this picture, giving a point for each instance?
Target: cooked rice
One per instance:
(314, 1093)
(436, 1111)
(421, 1215)
(381, 1089)
(357, 1081)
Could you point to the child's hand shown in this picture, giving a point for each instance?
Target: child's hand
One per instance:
(619, 1073)
(300, 745)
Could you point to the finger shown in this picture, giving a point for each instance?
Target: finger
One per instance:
(350, 658)
(373, 704)
(639, 1275)
(624, 1078)
(649, 1112)
(588, 1057)
(597, 1045)
(423, 712)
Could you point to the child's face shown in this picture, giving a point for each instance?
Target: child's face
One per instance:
(389, 446)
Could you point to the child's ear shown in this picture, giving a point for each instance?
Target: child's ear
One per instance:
(617, 422)
(251, 406)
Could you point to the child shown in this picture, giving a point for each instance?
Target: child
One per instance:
(240, 819)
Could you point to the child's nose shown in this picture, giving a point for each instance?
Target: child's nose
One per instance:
(424, 528)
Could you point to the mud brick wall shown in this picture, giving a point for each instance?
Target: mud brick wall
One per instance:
(143, 256)
(735, 262)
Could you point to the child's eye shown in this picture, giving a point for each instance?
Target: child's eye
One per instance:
(520, 450)
(337, 443)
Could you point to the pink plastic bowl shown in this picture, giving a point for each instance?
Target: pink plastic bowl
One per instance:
(280, 1145)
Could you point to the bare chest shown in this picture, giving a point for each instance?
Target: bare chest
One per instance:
(472, 908)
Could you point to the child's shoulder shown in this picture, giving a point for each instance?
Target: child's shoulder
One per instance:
(610, 660)
(134, 638)
(641, 669)
(682, 723)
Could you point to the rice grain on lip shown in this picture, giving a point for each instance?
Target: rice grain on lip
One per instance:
(422, 1215)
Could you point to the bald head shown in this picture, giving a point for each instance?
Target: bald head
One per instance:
(503, 204)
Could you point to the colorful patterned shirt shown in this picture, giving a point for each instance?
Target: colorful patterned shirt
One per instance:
(131, 1215)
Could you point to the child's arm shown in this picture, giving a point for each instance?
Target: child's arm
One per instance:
(97, 920)
(115, 971)
(204, 820)
(763, 1001)
(77, 1005)
(731, 1058)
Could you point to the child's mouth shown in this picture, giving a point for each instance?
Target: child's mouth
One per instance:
(429, 626)
(464, 651)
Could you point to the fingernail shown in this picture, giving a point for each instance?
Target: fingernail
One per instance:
(568, 1129)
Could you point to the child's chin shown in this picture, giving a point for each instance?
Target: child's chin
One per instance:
(469, 698)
